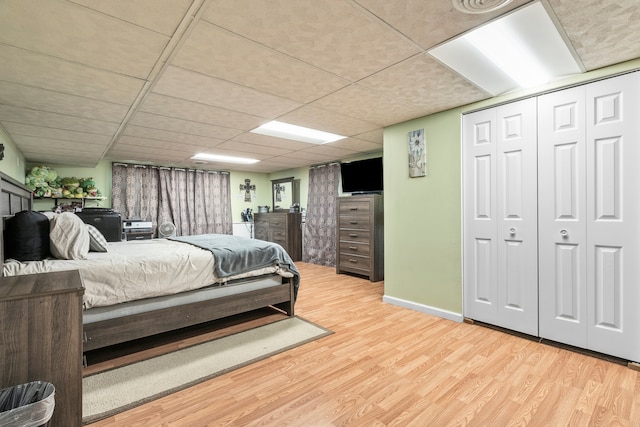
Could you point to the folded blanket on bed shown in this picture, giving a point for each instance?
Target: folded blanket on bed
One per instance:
(237, 254)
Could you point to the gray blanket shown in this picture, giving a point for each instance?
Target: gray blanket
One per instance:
(237, 254)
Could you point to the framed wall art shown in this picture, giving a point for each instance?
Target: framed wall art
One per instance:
(417, 154)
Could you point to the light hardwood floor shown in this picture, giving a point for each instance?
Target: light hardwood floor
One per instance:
(389, 366)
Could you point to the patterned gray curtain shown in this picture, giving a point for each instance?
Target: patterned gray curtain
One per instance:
(320, 226)
(195, 201)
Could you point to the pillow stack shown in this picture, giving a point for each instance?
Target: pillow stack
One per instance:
(34, 236)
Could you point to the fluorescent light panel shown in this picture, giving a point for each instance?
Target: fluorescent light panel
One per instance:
(297, 133)
(521, 49)
(224, 159)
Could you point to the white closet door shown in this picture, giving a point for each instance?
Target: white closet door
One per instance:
(613, 231)
(517, 216)
(480, 216)
(589, 215)
(500, 219)
(561, 216)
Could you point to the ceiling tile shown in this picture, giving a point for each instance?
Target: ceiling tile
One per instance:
(602, 33)
(56, 121)
(19, 129)
(56, 102)
(34, 69)
(355, 144)
(330, 150)
(63, 157)
(188, 150)
(162, 16)
(193, 111)
(253, 148)
(368, 105)
(333, 34)
(328, 121)
(423, 82)
(306, 155)
(176, 137)
(375, 136)
(186, 84)
(155, 121)
(271, 141)
(34, 143)
(430, 24)
(75, 33)
(247, 63)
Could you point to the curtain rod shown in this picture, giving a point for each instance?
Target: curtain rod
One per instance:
(168, 168)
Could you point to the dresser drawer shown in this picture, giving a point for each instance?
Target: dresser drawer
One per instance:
(261, 223)
(357, 222)
(355, 263)
(278, 223)
(261, 233)
(279, 234)
(353, 248)
(359, 236)
(354, 207)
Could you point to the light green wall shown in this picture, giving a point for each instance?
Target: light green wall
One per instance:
(262, 193)
(423, 216)
(13, 162)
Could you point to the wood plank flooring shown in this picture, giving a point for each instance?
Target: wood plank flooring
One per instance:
(390, 366)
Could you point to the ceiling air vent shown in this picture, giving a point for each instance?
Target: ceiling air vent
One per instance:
(479, 6)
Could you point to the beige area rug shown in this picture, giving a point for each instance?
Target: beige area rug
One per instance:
(110, 392)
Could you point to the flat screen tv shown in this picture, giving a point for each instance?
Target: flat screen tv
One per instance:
(362, 176)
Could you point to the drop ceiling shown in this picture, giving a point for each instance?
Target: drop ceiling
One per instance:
(156, 81)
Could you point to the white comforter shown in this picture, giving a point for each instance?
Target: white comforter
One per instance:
(136, 270)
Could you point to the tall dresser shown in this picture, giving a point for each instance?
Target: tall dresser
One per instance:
(361, 236)
(283, 228)
(41, 318)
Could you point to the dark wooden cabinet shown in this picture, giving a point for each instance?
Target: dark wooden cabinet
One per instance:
(361, 236)
(283, 228)
(41, 337)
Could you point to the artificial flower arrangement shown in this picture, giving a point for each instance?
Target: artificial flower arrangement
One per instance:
(45, 182)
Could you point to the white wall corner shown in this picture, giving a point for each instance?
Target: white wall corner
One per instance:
(434, 311)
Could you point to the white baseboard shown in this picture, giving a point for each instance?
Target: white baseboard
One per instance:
(434, 311)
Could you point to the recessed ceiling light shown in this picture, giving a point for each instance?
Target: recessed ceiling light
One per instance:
(224, 159)
(297, 133)
(521, 49)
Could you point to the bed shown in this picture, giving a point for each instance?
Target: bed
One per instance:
(187, 280)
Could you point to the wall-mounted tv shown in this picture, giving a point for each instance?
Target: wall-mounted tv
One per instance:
(362, 176)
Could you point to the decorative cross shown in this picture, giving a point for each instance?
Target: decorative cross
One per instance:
(247, 188)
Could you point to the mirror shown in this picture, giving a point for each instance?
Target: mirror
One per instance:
(285, 193)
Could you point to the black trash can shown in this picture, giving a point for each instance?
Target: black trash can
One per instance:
(27, 405)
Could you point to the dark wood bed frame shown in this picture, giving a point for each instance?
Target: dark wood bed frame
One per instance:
(15, 197)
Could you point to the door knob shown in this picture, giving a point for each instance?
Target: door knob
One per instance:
(512, 231)
(564, 233)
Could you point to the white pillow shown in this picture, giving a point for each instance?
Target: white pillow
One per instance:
(68, 237)
(97, 241)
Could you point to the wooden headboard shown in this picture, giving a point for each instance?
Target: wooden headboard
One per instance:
(14, 197)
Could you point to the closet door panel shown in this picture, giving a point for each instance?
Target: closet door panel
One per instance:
(500, 221)
(561, 216)
(517, 221)
(613, 141)
(480, 251)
